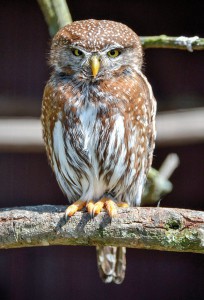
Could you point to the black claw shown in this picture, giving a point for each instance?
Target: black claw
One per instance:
(66, 216)
(92, 215)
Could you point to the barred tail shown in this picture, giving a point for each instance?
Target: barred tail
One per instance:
(111, 263)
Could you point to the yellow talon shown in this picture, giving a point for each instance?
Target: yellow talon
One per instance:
(90, 206)
(111, 207)
(122, 204)
(98, 206)
(76, 206)
(108, 204)
(94, 208)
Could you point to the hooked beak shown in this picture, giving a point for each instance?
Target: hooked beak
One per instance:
(95, 65)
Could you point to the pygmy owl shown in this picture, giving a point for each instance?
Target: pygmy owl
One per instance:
(98, 117)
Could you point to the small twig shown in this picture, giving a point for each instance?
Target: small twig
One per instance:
(158, 183)
(168, 166)
(181, 43)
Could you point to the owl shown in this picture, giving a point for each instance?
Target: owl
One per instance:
(98, 118)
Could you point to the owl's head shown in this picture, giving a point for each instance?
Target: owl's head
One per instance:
(93, 49)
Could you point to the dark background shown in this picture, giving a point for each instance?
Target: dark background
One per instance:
(26, 179)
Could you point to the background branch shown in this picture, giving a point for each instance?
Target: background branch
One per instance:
(57, 15)
(181, 43)
(158, 184)
(173, 128)
(144, 228)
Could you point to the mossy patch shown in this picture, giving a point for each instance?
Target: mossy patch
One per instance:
(174, 224)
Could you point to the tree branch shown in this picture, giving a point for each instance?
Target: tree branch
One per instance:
(173, 128)
(181, 42)
(144, 228)
(57, 15)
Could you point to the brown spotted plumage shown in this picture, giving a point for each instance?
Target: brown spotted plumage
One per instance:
(98, 117)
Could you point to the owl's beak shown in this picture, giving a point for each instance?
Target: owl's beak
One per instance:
(95, 65)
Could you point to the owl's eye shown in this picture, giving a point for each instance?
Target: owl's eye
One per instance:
(77, 52)
(113, 53)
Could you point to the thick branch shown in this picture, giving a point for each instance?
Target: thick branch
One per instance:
(145, 228)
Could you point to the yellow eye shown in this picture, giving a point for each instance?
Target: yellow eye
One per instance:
(77, 52)
(113, 53)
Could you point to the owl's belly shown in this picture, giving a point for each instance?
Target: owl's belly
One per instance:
(90, 163)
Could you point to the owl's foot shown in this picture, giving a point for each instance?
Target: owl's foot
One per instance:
(122, 204)
(95, 208)
(76, 206)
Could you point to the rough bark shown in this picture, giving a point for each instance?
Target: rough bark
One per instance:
(144, 228)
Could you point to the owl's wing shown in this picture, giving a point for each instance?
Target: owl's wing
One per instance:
(111, 263)
(48, 116)
(150, 105)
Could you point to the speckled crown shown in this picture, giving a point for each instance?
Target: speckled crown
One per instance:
(94, 35)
